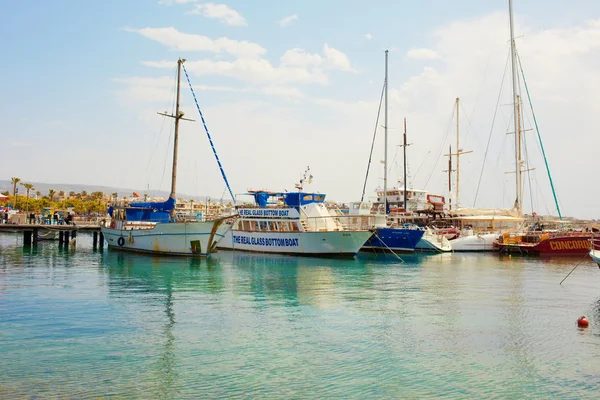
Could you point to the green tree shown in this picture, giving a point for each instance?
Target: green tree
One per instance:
(84, 194)
(61, 193)
(14, 181)
(71, 194)
(28, 187)
(38, 193)
(51, 194)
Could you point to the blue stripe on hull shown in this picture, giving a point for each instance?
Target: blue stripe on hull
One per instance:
(397, 239)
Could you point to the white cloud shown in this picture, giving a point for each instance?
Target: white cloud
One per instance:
(335, 59)
(253, 71)
(177, 40)
(296, 66)
(368, 36)
(422, 54)
(221, 12)
(287, 20)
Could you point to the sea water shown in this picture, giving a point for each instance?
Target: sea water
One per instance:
(79, 323)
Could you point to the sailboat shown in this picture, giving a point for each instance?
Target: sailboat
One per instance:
(385, 237)
(479, 228)
(152, 227)
(536, 239)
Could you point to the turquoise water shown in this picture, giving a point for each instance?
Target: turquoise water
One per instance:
(83, 324)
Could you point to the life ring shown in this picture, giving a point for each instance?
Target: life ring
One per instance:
(113, 224)
(121, 241)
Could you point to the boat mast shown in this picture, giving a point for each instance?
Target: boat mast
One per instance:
(385, 123)
(457, 156)
(513, 55)
(458, 153)
(178, 116)
(518, 134)
(405, 185)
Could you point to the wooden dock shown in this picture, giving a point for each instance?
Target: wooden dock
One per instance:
(65, 232)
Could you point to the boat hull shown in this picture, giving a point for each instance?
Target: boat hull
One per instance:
(484, 242)
(196, 239)
(559, 245)
(394, 239)
(433, 242)
(332, 244)
(595, 255)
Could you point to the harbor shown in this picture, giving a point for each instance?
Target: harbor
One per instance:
(300, 200)
(101, 323)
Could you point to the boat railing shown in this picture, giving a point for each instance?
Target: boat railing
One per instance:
(339, 223)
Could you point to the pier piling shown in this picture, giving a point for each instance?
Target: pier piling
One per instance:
(27, 238)
(66, 238)
(61, 238)
(35, 236)
(95, 240)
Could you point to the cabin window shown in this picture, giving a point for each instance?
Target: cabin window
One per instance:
(319, 197)
(307, 197)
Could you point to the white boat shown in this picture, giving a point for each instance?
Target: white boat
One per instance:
(154, 227)
(296, 223)
(432, 241)
(471, 241)
(595, 254)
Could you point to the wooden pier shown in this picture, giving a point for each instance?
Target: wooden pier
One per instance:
(65, 233)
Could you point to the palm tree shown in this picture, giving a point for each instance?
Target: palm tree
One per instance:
(28, 187)
(14, 181)
(51, 194)
(61, 193)
(38, 193)
(84, 193)
(71, 194)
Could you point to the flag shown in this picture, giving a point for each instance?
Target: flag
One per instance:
(136, 195)
(310, 177)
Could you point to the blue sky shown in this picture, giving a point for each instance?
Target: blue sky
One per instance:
(82, 82)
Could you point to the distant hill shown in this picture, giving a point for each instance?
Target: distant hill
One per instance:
(69, 187)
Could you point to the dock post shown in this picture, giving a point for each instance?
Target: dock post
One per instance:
(61, 237)
(101, 240)
(27, 238)
(95, 240)
(66, 239)
(35, 236)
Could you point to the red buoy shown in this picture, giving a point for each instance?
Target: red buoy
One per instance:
(583, 322)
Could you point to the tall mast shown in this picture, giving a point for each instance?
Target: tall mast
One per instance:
(405, 185)
(519, 156)
(385, 123)
(457, 155)
(176, 136)
(513, 54)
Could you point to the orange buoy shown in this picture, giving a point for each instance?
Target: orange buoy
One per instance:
(583, 322)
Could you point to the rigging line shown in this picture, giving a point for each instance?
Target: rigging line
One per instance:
(539, 137)
(373, 142)
(442, 145)
(491, 130)
(208, 134)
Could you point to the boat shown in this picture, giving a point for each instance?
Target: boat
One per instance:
(295, 223)
(595, 250)
(154, 227)
(388, 236)
(536, 238)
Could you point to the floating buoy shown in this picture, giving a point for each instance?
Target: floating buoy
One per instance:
(583, 322)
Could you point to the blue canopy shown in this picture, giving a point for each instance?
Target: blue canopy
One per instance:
(149, 211)
(291, 199)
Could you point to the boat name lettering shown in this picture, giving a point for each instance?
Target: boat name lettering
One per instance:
(270, 242)
(570, 245)
(262, 212)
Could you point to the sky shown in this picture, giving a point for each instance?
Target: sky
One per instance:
(286, 85)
